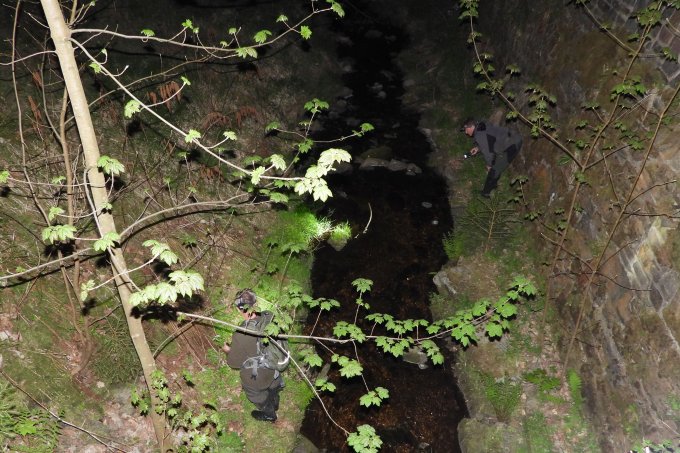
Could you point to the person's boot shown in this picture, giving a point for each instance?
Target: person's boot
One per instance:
(264, 416)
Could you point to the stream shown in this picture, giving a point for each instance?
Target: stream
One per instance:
(399, 219)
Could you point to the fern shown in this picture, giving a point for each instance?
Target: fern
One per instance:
(454, 245)
(487, 221)
(574, 382)
(503, 394)
(24, 429)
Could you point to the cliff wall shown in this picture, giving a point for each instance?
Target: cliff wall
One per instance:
(627, 345)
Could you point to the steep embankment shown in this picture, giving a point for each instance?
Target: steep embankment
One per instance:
(607, 193)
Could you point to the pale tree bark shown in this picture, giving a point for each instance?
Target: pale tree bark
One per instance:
(60, 34)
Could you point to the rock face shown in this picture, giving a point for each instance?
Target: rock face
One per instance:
(627, 349)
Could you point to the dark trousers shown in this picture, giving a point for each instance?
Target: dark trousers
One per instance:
(502, 162)
(266, 400)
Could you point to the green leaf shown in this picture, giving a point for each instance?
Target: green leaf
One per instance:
(480, 307)
(85, 288)
(323, 385)
(305, 32)
(382, 392)
(321, 192)
(506, 310)
(185, 81)
(229, 135)
(282, 18)
(161, 251)
(261, 36)
(25, 427)
(138, 298)
(276, 197)
(252, 160)
(367, 127)
(305, 145)
(54, 211)
(187, 282)
(333, 155)
(348, 367)
(245, 52)
(274, 125)
(110, 166)
(192, 135)
(4, 176)
(147, 32)
(362, 285)
(168, 257)
(337, 8)
(108, 240)
(370, 399)
(58, 233)
(365, 440)
(277, 161)
(189, 24)
(256, 174)
(165, 293)
(133, 106)
(96, 67)
(316, 105)
(494, 330)
(313, 360)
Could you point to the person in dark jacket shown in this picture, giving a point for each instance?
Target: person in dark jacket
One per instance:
(499, 146)
(261, 385)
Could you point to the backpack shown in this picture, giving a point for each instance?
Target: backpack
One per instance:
(272, 354)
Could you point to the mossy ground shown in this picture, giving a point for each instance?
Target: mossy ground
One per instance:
(232, 249)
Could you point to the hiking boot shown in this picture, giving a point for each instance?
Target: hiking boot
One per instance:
(264, 416)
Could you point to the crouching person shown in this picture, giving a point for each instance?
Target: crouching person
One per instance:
(260, 373)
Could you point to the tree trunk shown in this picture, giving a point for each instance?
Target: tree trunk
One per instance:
(96, 184)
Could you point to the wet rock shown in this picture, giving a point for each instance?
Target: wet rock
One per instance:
(344, 40)
(443, 283)
(476, 436)
(373, 34)
(413, 169)
(372, 162)
(342, 167)
(346, 93)
(379, 152)
(416, 356)
(376, 87)
(397, 165)
(352, 122)
(304, 445)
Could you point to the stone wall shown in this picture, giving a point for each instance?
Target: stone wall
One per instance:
(628, 346)
(621, 15)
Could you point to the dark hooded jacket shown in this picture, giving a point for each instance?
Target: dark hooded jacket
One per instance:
(492, 141)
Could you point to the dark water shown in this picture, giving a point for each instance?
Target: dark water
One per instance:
(400, 252)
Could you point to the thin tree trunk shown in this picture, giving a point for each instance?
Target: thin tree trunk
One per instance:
(96, 183)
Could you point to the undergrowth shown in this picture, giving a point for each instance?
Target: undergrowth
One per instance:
(24, 429)
(503, 394)
(115, 361)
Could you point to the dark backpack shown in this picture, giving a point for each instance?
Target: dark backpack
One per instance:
(272, 353)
